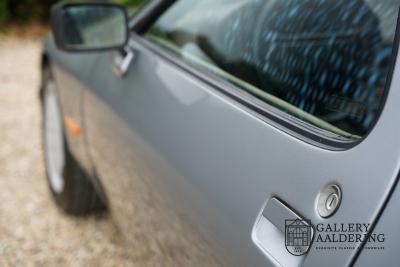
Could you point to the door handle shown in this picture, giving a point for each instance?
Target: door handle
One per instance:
(277, 213)
(282, 234)
(122, 62)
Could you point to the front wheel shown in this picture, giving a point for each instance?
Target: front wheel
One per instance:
(70, 187)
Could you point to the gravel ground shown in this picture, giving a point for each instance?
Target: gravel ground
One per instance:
(33, 232)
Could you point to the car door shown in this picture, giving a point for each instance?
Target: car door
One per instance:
(237, 115)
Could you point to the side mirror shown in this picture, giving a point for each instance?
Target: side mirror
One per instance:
(89, 26)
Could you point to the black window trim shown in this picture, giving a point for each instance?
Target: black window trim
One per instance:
(270, 114)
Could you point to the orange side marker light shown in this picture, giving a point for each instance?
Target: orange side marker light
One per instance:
(72, 125)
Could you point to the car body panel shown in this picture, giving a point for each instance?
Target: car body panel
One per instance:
(196, 167)
(388, 224)
(70, 70)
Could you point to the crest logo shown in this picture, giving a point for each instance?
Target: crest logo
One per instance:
(298, 236)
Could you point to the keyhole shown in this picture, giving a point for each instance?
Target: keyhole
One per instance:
(331, 201)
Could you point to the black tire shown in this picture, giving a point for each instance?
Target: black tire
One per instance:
(77, 196)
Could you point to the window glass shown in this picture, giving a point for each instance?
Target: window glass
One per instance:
(323, 61)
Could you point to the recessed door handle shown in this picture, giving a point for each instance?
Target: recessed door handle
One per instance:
(278, 213)
(282, 234)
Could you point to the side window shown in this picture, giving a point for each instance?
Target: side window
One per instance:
(323, 61)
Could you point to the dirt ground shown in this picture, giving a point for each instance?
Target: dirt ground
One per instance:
(33, 232)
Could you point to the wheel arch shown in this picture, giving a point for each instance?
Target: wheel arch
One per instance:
(44, 63)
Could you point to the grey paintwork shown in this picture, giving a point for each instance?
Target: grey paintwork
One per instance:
(174, 153)
(388, 224)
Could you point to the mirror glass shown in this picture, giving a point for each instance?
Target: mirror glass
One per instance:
(93, 26)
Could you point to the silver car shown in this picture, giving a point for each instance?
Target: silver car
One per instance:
(239, 132)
